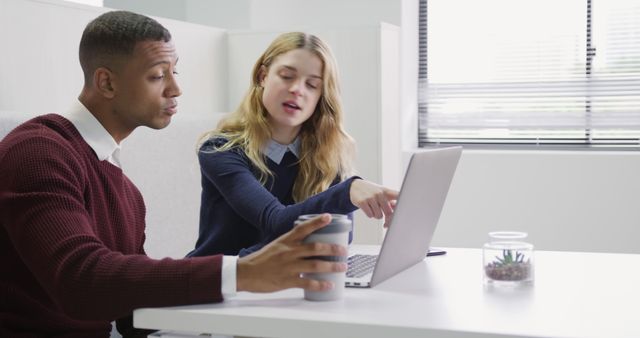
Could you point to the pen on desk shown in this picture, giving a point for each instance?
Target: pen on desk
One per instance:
(435, 252)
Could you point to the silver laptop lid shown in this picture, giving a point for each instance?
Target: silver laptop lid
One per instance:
(422, 196)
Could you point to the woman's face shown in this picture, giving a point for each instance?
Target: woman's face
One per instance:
(292, 87)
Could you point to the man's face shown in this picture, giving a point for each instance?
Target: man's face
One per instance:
(146, 87)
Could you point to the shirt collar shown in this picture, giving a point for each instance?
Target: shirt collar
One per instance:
(275, 151)
(94, 134)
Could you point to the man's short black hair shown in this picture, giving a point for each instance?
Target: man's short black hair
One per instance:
(113, 35)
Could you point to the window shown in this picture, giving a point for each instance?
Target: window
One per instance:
(541, 72)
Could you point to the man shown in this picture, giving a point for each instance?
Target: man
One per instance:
(72, 235)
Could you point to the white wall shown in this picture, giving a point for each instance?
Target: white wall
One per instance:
(171, 9)
(97, 3)
(565, 200)
(220, 13)
(40, 72)
(228, 14)
(409, 74)
(284, 14)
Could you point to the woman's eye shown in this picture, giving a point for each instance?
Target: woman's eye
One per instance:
(313, 85)
(157, 77)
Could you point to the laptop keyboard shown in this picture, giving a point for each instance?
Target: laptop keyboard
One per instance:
(360, 265)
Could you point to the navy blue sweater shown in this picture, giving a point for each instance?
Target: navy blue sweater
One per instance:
(238, 215)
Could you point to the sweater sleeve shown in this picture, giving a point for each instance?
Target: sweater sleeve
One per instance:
(43, 212)
(230, 172)
(247, 251)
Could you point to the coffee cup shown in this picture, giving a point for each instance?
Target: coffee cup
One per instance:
(336, 232)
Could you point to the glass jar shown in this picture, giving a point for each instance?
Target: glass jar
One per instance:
(507, 259)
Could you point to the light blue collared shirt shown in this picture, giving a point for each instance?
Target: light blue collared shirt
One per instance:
(275, 151)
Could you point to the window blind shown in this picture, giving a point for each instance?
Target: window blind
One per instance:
(529, 72)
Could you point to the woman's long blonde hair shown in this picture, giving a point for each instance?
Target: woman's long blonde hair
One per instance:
(326, 151)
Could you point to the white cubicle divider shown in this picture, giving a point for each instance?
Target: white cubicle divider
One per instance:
(368, 63)
(164, 166)
(11, 119)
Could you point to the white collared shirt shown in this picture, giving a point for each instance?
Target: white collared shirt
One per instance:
(275, 151)
(106, 148)
(94, 134)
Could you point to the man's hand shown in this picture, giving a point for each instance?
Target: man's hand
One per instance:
(278, 265)
(374, 200)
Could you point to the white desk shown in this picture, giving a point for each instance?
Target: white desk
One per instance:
(574, 295)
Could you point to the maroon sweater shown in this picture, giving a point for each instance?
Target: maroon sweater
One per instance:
(71, 240)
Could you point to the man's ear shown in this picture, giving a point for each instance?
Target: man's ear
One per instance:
(104, 82)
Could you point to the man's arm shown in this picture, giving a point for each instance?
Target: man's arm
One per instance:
(279, 265)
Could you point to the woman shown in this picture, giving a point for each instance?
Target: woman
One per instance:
(281, 154)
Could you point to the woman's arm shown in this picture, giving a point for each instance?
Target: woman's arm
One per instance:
(230, 172)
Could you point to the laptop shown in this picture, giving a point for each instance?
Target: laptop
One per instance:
(424, 190)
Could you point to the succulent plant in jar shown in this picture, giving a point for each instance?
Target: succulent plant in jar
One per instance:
(507, 258)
